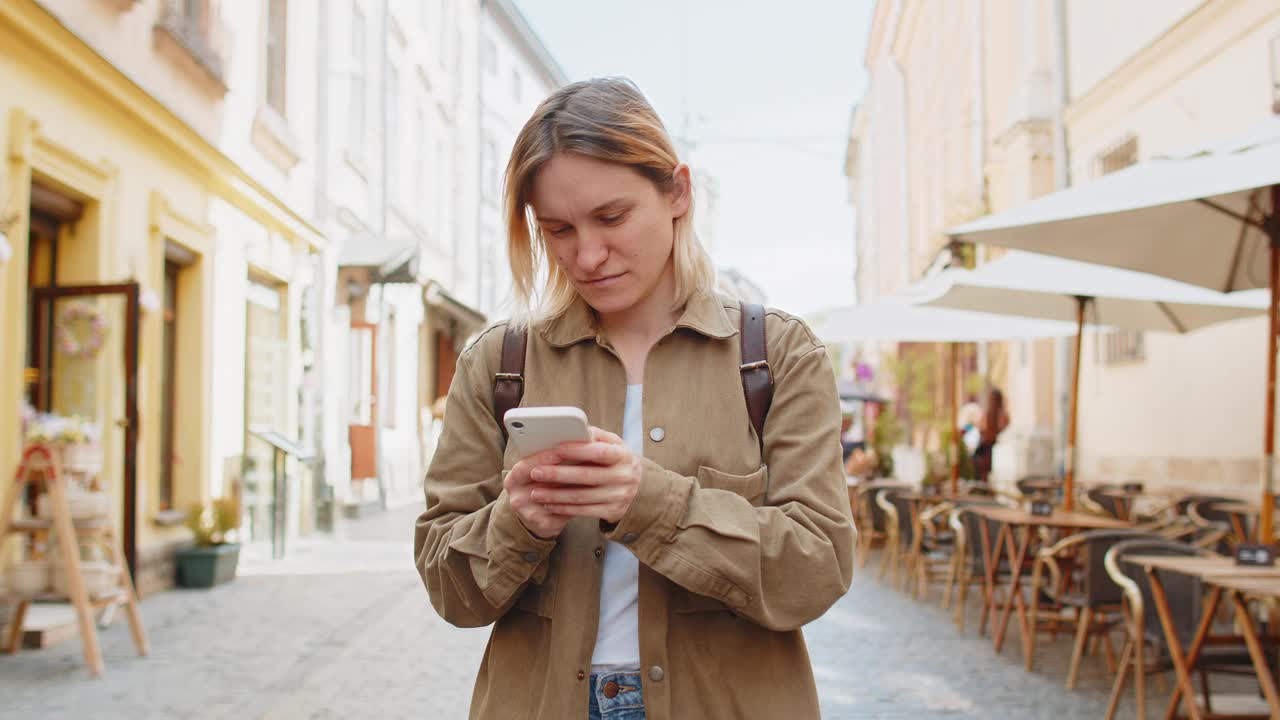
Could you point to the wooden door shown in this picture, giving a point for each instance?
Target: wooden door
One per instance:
(363, 400)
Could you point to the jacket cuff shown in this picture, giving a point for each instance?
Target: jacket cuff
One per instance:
(519, 553)
(654, 516)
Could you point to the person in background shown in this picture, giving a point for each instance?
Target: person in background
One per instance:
(994, 420)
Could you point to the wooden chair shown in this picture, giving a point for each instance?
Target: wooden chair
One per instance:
(1094, 598)
(971, 566)
(1146, 650)
(870, 517)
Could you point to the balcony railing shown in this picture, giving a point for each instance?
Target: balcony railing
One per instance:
(194, 26)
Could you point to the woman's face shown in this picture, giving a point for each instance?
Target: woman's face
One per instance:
(610, 228)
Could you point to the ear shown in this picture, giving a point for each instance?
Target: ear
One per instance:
(681, 192)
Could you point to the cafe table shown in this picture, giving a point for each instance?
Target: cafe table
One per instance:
(1223, 576)
(1016, 549)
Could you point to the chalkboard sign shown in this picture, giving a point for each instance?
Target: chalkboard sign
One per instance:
(1041, 509)
(1256, 555)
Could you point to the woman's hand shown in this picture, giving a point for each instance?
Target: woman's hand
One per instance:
(602, 484)
(536, 518)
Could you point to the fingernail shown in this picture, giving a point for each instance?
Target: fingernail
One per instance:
(537, 474)
(538, 496)
(553, 459)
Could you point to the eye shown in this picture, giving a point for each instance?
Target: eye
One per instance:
(613, 219)
(559, 231)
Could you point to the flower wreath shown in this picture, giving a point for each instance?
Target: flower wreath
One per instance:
(73, 314)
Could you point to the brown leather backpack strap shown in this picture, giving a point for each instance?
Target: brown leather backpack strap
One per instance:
(508, 383)
(757, 378)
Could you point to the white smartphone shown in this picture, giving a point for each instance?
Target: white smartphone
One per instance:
(534, 429)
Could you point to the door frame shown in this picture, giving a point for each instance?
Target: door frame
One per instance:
(40, 302)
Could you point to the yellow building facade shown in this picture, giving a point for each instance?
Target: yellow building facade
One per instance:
(122, 209)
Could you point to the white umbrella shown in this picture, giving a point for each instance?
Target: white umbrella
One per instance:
(1039, 286)
(900, 321)
(1198, 216)
(1209, 216)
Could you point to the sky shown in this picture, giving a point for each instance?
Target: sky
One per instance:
(765, 91)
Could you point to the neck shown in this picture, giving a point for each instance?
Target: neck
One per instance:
(647, 320)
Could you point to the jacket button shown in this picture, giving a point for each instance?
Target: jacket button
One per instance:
(599, 552)
(629, 538)
(581, 675)
(657, 434)
(531, 557)
(656, 674)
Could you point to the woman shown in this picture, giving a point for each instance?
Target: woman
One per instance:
(664, 569)
(994, 421)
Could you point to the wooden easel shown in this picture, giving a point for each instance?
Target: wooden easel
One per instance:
(40, 464)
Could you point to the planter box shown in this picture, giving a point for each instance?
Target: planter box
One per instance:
(205, 567)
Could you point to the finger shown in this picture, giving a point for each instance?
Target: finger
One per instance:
(572, 475)
(604, 436)
(589, 495)
(596, 453)
(520, 471)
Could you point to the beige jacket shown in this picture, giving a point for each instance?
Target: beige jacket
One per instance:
(737, 551)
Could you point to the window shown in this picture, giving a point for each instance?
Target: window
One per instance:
(1119, 157)
(446, 17)
(1275, 74)
(277, 53)
(419, 158)
(192, 25)
(394, 159)
(489, 59)
(1124, 346)
(356, 126)
(389, 399)
(360, 377)
(489, 166)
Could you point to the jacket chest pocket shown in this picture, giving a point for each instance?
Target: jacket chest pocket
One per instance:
(754, 486)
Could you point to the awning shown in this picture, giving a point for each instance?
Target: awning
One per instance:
(390, 261)
(467, 316)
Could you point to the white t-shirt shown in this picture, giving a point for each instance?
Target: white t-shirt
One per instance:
(618, 637)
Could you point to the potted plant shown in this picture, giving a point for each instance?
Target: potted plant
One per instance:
(213, 559)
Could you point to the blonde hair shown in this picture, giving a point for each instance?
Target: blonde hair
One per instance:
(607, 119)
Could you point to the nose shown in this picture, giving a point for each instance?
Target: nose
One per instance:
(592, 252)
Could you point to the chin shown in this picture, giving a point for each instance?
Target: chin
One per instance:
(609, 301)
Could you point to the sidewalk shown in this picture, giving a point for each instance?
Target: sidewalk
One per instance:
(343, 629)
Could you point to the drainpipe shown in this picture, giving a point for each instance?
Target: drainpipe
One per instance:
(1062, 178)
(480, 152)
(979, 123)
(322, 494)
(378, 415)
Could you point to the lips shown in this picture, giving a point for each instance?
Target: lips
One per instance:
(604, 281)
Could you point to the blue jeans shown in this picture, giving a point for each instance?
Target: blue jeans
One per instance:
(626, 704)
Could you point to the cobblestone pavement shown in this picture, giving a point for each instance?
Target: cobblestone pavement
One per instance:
(343, 629)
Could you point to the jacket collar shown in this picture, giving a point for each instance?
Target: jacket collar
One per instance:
(704, 314)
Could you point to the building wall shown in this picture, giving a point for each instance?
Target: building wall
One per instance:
(1195, 76)
(104, 134)
(956, 123)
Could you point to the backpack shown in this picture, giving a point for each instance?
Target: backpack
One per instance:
(757, 377)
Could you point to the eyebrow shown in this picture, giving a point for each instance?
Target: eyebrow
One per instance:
(614, 204)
